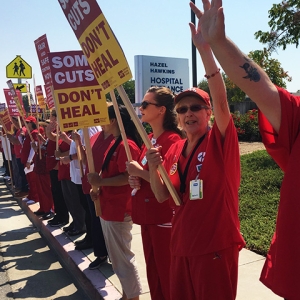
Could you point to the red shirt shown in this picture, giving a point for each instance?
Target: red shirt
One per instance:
(281, 271)
(145, 207)
(18, 148)
(99, 146)
(210, 224)
(40, 164)
(116, 200)
(63, 170)
(26, 145)
(51, 161)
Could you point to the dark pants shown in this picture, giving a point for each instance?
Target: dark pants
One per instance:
(16, 173)
(88, 219)
(97, 234)
(5, 164)
(74, 206)
(61, 210)
(24, 183)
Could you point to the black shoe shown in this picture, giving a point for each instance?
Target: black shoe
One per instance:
(75, 232)
(39, 213)
(80, 241)
(57, 223)
(48, 215)
(97, 263)
(84, 246)
(68, 228)
(21, 194)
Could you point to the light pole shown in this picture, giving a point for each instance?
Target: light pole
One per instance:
(194, 60)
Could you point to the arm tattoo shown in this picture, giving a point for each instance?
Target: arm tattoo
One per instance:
(252, 72)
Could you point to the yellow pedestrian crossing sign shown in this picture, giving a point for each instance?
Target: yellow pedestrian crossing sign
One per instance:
(18, 68)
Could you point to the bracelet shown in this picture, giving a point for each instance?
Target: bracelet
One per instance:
(212, 75)
(70, 156)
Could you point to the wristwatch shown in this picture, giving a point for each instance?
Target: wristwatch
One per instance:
(70, 156)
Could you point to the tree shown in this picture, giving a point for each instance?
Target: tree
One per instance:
(284, 26)
(26, 102)
(129, 87)
(272, 67)
(234, 93)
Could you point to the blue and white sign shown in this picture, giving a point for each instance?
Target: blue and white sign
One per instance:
(160, 71)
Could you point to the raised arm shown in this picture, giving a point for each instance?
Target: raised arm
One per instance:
(215, 80)
(246, 74)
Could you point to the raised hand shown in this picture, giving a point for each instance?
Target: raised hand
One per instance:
(211, 21)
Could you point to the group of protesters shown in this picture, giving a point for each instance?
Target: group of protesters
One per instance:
(191, 238)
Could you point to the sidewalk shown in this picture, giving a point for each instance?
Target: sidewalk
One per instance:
(102, 283)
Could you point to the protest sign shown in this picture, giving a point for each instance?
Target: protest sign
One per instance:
(49, 96)
(42, 49)
(40, 96)
(18, 104)
(11, 104)
(104, 55)
(6, 121)
(79, 101)
(98, 43)
(2, 106)
(35, 109)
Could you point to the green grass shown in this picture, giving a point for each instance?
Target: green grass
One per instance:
(259, 196)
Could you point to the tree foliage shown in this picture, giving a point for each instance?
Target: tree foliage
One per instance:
(129, 87)
(284, 25)
(272, 67)
(263, 58)
(26, 102)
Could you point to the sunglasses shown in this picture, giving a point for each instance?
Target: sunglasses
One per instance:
(145, 104)
(193, 108)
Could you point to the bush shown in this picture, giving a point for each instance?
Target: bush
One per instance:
(259, 197)
(247, 125)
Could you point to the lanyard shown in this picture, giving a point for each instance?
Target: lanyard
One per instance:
(184, 175)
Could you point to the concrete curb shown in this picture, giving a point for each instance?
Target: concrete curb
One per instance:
(93, 283)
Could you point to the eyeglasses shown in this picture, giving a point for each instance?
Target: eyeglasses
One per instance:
(145, 104)
(193, 108)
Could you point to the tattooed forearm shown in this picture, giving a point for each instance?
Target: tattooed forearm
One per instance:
(252, 72)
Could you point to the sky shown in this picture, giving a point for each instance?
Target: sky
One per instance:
(155, 28)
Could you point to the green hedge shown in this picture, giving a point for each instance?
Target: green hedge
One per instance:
(259, 196)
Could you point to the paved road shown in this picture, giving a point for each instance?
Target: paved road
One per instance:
(29, 269)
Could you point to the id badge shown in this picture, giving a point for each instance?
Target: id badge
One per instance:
(196, 189)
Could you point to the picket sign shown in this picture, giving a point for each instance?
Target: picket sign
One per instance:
(122, 130)
(147, 142)
(57, 135)
(37, 117)
(13, 91)
(28, 96)
(19, 121)
(79, 158)
(9, 154)
(121, 126)
(91, 165)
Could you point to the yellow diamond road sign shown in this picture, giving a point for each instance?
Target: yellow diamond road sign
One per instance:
(18, 68)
